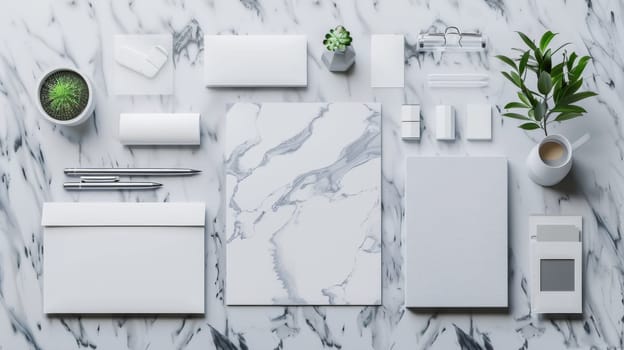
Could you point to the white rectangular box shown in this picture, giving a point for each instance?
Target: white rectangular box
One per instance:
(456, 232)
(123, 258)
(387, 61)
(445, 123)
(255, 60)
(159, 128)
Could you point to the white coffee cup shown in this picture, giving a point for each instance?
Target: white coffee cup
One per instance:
(551, 159)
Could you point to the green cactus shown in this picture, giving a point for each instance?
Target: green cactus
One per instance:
(64, 95)
(337, 39)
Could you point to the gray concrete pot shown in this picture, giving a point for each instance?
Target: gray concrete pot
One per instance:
(339, 61)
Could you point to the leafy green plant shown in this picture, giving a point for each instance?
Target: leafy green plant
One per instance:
(337, 39)
(556, 85)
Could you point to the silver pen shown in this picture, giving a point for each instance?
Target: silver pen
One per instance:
(111, 185)
(130, 171)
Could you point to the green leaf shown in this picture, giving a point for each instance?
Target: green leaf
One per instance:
(545, 40)
(577, 71)
(523, 62)
(528, 41)
(547, 61)
(569, 108)
(515, 81)
(529, 126)
(516, 78)
(566, 116)
(511, 105)
(540, 111)
(544, 83)
(566, 100)
(571, 60)
(516, 116)
(523, 98)
(560, 47)
(557, 90)
(557, 71)
(508, 60)
(573, 87)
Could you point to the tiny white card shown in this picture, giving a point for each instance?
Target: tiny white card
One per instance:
(130, 77)
(479, 122)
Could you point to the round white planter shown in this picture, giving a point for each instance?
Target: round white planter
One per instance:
(79, 119)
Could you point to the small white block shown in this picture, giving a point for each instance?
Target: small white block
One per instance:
(410, 113)
(410, 131)
(479, 122)
(445, 123)
(410, 122)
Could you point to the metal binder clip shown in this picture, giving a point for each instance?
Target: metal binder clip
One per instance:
(466, 42)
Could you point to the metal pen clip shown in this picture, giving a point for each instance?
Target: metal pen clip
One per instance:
(90, 179)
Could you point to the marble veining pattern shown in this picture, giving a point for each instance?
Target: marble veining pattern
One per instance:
(303, 204)
(36, 35)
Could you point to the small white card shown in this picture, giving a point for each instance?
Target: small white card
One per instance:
(387, 61)
(479, 122)
(127, 80)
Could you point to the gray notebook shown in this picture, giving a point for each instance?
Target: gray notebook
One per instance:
(456, 232)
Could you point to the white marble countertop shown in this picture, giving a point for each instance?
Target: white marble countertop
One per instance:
(38, 35)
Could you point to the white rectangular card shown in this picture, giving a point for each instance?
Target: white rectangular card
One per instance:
(115, 258)
(255, 60)
(456, 222)
(387, 61)
(479, 122)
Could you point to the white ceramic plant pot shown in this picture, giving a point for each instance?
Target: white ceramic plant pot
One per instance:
(80, 118)
(545, 174)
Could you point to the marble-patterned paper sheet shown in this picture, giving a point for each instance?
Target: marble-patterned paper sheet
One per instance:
(303, 186)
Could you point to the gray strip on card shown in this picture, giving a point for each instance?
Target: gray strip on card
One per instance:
(558, 233)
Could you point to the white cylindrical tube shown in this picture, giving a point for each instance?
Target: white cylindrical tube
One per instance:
(159, 128)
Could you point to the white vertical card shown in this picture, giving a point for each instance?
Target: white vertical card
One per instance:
(479, 122)
(387, 61)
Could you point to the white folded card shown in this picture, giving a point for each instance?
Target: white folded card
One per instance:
(123, 258)
(159, 128)
(255, 60)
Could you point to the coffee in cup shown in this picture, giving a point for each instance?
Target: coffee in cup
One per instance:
(553, 153)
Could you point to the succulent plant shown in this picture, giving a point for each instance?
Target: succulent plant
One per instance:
(337, 39)
(64, 95)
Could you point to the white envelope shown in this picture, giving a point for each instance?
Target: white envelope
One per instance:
(123, 258)
(255, 60)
